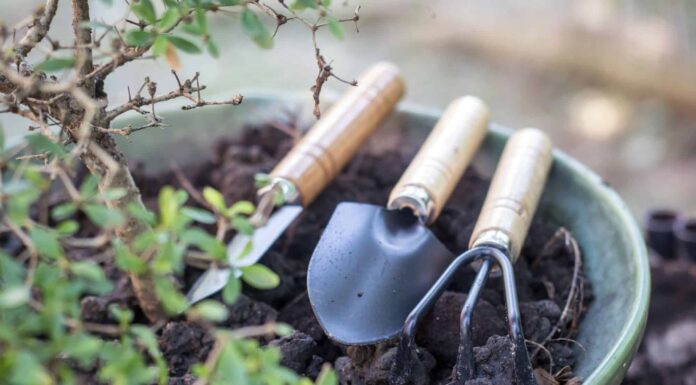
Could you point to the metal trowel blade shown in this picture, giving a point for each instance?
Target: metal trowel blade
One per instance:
(368, 271)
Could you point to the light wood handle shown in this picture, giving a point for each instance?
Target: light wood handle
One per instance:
(336, 137)
(437, 167)
(515, 190)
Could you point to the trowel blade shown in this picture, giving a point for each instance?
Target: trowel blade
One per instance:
(369, 270)
(244, 250)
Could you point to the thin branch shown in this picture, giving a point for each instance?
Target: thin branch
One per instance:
(38, 31)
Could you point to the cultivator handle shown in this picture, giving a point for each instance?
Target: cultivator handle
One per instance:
(341, 132)
(431, 177)
(514, 192)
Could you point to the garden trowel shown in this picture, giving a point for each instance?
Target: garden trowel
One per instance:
(373, 264)
(304, 172)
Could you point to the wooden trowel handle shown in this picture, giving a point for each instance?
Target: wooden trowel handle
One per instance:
(514, 192)
(431, 177)
(336, 137)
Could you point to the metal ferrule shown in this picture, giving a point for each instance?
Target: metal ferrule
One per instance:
(417, 199)
(497, 239)
(267, 200)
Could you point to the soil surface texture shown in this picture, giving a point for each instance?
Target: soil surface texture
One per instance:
(549, 276)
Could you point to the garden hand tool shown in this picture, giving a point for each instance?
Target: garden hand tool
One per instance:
(498, 236)
(304, 172)
(372, 265)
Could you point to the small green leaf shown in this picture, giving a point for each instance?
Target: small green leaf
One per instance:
(42, 143)
(168, 206)
(88, 270)
(241, 207)
(260, 276)
(300, 5)
(103, 216)
(228, 3)
(159, 46)
(262, 180)
(335, 27)
(140, 212)
(326, 3)
(46, 242)
(183, 44)
(213, 49)
(138, 38)
(113, 194)
(214, 198)
(232, 290)
(206, 242)
(63, 210)
(14, 296)
(67, 228)
(55, 64)
(283, 329)
(202, 20)
(123, 316)
(127, 261)
(95, 25)
(172, 300)
(199, 215)
(327, 376)
(242, 225)
(211, 310)
(88, 188)
(169, 18)
(145, 11)
(253, 27)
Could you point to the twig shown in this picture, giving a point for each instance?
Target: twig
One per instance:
(38, 31)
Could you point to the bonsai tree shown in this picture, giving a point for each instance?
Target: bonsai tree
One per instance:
(43, 338)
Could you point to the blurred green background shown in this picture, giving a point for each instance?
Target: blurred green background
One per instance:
(612, 82)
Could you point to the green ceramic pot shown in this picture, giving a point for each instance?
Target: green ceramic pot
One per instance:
(614, 253)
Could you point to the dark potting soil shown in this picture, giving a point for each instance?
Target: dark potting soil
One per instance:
(544, 278)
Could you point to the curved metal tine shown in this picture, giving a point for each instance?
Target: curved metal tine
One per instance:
(401, 371)
(465, 360)
(464, 369)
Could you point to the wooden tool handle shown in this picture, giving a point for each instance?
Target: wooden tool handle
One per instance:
(514, 192)
(336, 137)
(437, 167)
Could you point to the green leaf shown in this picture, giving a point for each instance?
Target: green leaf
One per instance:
(202, 20)
(211, 310)
(327, 376)
(168, 206)
(103, 216)
(214, 198)
(95, 25)
(141, 213)
(123, 316)
(14, 296)
(113, 194)
(326, 3)
(228, 3)
(300, 5)
(335, 27)
(55, 64)
(84, 348)
(172, 300)
(183, 44)
(199, 215)
(46, 242)
(145, 11)
(127, 261)
(169, 18)
(159, 46)
(283, 329)
(241, 207)
(88, 188)
(67, 228)
(42, 143)
(260, 276)
(138, 38)
(88, 270)
(253, 27)
(232, 290)
(205, 242)
(242, 225)
(63, 210)
(213, 49)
